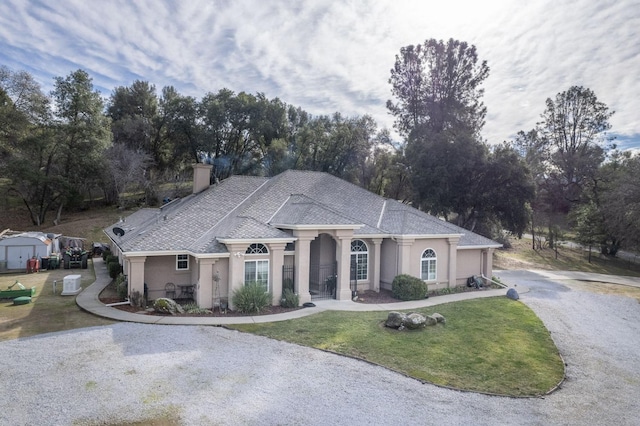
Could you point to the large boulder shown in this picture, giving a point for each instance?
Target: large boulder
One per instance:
(395, 319)
(167, 306)
(415, 321)
(513, 294)
(430, 320)
(412, 321)
(438, 317)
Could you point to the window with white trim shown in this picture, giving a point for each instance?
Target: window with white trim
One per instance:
(182, 262)
(257, 271)
(428, 265)
(359, 259)
(257, 248)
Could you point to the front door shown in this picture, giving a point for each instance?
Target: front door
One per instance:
(323, 268)
(322, 281)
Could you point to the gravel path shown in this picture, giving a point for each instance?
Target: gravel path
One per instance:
(208, 375)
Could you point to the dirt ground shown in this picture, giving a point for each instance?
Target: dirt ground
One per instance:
(83, 224)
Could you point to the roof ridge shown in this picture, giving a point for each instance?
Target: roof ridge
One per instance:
(226, 217)
(382, 210)
(279, 208)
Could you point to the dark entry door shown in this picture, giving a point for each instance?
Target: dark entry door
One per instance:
(322, 281)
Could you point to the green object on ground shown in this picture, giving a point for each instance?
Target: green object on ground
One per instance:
(12, 294)
(23, 300)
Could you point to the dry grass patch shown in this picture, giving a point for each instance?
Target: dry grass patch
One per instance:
(604, 288)
(48, 312)
(522, 256)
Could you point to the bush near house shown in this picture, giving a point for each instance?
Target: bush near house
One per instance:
(289, 299)
(407, 287)
(122, 287)
(114, 269)
(251, 299)
(105, 254)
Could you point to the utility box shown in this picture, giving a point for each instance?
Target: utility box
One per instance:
(71, 285)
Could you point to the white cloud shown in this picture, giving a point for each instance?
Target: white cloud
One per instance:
(330, 56)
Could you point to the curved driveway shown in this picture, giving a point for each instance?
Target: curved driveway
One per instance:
(210, 375)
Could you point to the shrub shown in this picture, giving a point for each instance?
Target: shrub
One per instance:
(111, 258)
(105, 254)
(289, 299)
(503, 238)
(121, 287)
(287, 283)
(114, 269)
(137, 299)
(407, 287)
(251, 299)
(193, 308)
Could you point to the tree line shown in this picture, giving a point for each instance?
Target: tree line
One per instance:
(59, 150)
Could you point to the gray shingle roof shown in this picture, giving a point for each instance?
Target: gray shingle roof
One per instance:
(302, 210)
(243, 207)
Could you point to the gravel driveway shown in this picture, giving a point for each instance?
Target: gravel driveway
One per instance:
(209, 375)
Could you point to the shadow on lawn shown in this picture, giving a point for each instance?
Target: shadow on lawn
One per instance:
(47, 312)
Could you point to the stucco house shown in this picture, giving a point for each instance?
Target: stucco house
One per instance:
(321, 235)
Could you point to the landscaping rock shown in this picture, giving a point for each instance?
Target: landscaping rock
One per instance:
(167, 306)
(430, 320)
(395, 319)
(438, 317)
(513, 294)
(414, 321)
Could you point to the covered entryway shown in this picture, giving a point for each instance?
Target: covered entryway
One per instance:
(323, 269)
(322, 281)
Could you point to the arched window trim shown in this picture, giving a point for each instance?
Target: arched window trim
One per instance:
(257, 248)
(359, 246)
(428, 265)
(360, 258)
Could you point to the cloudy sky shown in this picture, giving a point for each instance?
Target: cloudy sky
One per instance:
(328, 56)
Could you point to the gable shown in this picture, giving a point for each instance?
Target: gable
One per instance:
(254, 208)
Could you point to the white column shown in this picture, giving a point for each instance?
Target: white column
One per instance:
(236, 270)
(453, 260)
(204, 292)
(343, 240)
(376, 259)
(135, 275)
(275, 275)
(487, 267)
(302, 258)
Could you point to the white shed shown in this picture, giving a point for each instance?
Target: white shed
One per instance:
(16, 249)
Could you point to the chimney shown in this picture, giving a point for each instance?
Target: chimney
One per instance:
(201, 177)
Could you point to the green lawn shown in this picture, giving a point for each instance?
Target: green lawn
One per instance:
(492, 345)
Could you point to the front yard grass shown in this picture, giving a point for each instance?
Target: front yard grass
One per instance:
(492, 345)
(47, 312)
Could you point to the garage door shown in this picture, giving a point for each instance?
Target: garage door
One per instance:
(17, 256)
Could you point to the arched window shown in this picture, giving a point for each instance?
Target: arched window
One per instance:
(359, 260)
(428, 265)
(257, 248)
(257, 270)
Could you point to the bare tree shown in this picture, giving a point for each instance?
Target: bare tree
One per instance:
(127, 169)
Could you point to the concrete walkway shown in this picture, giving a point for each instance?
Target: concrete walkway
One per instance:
(89, 300)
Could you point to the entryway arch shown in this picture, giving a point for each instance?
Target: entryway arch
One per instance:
(323, 268)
